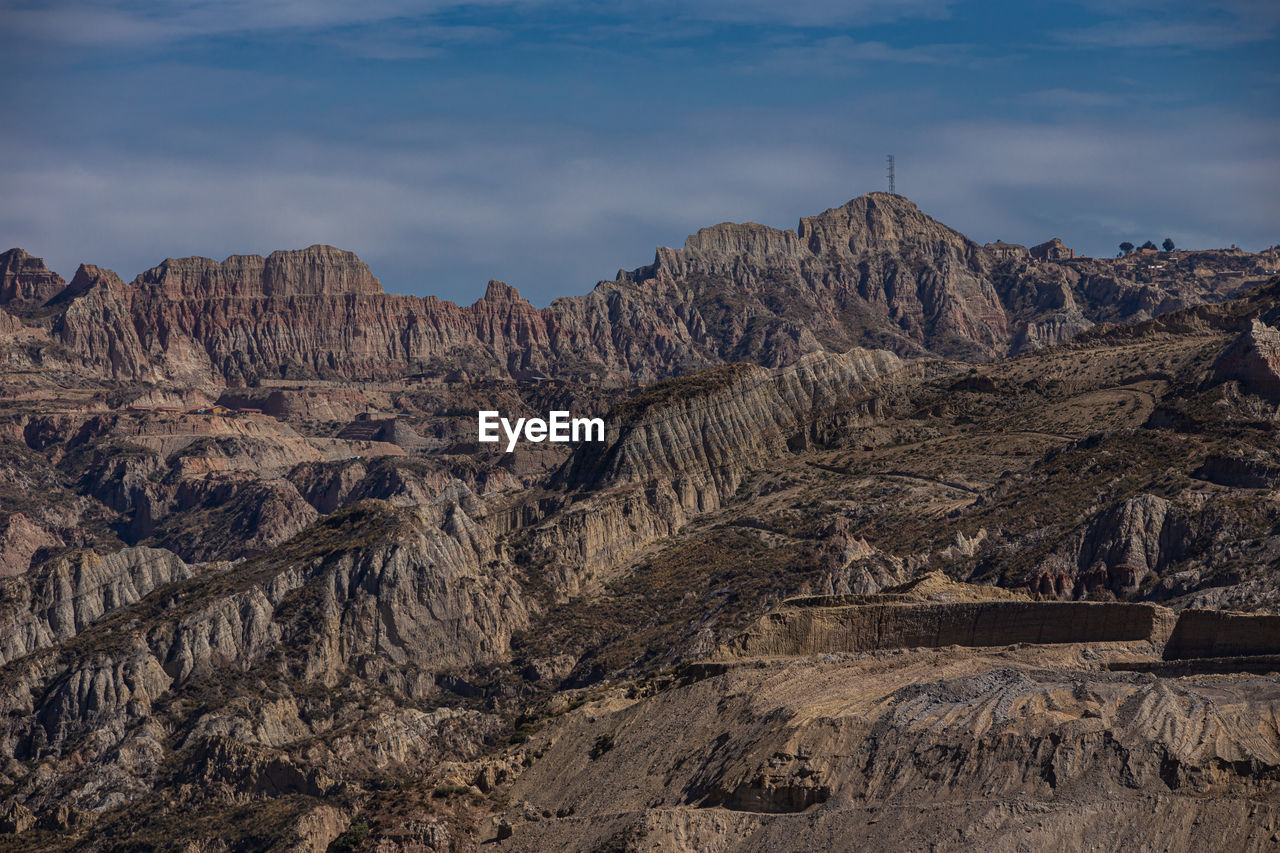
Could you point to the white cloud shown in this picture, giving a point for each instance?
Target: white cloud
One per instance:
(841, 54)
(440, 207)
(440, 211)
(123, 22)
(1153, 24)
(815, 13)
(1096, 183)
(101, 23)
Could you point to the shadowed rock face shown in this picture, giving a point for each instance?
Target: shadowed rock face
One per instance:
(1212, 633)
(797, 631)
(97, 323)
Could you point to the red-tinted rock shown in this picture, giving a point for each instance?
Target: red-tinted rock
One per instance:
(25, 282)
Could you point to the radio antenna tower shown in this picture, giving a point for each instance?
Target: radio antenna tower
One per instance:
(892, 189)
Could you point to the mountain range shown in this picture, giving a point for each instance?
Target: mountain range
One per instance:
(876, 272)
(895, 540)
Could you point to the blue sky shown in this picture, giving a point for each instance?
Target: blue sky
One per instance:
(550, 143)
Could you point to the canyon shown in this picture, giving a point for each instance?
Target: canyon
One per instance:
(890, 541)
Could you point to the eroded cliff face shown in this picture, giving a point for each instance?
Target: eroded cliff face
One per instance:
(1253, 360)
(829, 753)
(317, 271)
(388, 597)
(25, 282)
(682, 448)
(875, 272)
(340, 611)
(704, 432)
(97, 324)
(1120, 547)
(64, 596)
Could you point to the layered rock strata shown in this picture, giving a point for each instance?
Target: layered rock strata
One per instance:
(811, 629)
(875, 272)
(682, 448)
(25, 282)
(1216, 633)
(64, 596)
(1253, 360)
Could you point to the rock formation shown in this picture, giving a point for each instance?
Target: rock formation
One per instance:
(825, 624)
(1253, 360)
(25, 282)
(823, 754)
(876, 272)
(260, 584)
(64, 596)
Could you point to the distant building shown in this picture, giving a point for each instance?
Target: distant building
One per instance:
(1052, 250)
(1006, 251)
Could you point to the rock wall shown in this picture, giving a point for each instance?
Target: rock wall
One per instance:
(874, 272)
(1253, 360)
(25, 282)
(799, 631)
(64, 596)
(1218, 633)
(683, 447)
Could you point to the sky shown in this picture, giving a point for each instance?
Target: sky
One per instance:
(549, 144)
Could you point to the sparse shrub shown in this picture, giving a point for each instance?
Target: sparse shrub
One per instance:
(351, 839)
(525, 728)
(446, 790)
(603, 744)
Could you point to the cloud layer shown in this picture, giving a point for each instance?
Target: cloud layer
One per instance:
(448, 143)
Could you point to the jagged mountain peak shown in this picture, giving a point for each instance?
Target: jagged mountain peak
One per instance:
(317, 270)
(89, 273)
(872, 221)
(500, 291)
(25, 281)
(875, 271)
(878, 222)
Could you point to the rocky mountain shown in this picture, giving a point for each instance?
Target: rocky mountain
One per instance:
(261, 588)
(26, 283)
(875, 272)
